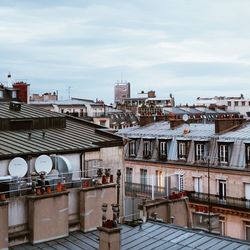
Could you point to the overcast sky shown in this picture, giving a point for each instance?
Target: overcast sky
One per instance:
(189, 48)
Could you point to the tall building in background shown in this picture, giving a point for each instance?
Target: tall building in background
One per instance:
(122, 90)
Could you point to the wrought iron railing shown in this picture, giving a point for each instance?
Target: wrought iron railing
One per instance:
(232, 202)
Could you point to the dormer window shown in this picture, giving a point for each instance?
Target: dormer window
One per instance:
(248, 155)
(14, 94)
(132, 149)
(147, 151)
(224, 153)
(163, 150)
(200, 151)
(183, 150)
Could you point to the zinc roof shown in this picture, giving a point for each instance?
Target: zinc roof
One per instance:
(162, 129)
(151, 235)
(27, 111)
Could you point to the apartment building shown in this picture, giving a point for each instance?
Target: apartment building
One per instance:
(209, 162)
(55, 173)
(235, 103)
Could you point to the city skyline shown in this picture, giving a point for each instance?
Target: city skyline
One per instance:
(188, 48)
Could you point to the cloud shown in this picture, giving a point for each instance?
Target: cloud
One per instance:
(180, 46)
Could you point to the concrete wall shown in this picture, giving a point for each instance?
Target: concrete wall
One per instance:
(48, 216)
(165, 209)
(3, 225)
(91, 200)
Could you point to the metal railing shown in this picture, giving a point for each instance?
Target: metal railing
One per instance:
(232, 202)
(148, 191)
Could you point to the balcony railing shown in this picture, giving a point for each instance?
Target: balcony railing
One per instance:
(149, 191)
(229, 202)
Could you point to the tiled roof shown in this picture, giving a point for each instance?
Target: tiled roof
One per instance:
(151, 235)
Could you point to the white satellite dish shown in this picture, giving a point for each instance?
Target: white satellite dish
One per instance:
(185, 117)
(43, 163)
(18, 167)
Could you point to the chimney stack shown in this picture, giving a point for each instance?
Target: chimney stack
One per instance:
(223, 125)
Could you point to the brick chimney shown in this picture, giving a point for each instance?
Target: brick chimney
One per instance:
(174, 123)
(223, 125)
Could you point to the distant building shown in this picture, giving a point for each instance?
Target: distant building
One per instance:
(18, 92)
(238, 103)
(98, 112)
(44, 97)
(122, 91)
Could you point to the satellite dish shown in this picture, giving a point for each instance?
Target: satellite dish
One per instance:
(43, 163)
(185, 117)
(18, 167)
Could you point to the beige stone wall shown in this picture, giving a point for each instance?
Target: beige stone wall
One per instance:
(48, 217)
(91, 200)
(235, 187)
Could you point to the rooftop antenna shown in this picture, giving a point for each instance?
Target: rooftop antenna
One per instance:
(9, 80)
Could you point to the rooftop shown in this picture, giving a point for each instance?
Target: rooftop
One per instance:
(152, 235)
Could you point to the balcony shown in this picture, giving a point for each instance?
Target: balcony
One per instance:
(149, 191)
(216, 200)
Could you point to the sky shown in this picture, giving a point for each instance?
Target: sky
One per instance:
(190, 48)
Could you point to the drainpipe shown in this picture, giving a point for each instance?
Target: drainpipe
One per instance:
(82, 164)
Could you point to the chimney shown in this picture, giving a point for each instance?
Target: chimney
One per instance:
(223, 125)
(174, 123)
(109, 232)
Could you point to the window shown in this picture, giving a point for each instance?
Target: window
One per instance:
(180, 182)
(236, 103)
(182, 150)
(62, 111)
(229, 103)
(103, 123)
(247, 230)
(129, 174)
(222, 189)
(158, 179)
(146, 149)
(143, 179)
(197, 185)
(243, 103)
(223, 153)
(248, 154)
(199, 151)
(132, 148)
(222, 225)
(247, 194)
(163, 150)
(14, 94)
(1, 93)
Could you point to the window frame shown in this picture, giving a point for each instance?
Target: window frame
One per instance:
(182, 151)
(200, 157)
(147, 149)
(247, 151)
(163, 151)
(224, 153)
(132, 148)
(129, 175)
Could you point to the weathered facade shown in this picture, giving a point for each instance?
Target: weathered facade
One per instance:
(208, 162)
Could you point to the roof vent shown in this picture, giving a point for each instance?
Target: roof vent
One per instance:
(16, 106)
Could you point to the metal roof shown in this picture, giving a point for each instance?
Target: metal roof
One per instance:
(78, 135)
(151, 235)
(27, 111)
(196, 130)
(162, 129)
